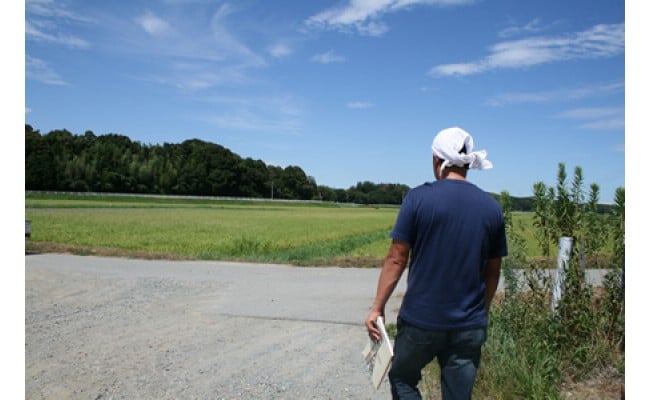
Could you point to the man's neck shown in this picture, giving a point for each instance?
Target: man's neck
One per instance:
(450, 173)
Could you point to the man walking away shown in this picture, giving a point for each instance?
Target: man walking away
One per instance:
(454, 234)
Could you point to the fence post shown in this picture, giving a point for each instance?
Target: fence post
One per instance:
(563, 256)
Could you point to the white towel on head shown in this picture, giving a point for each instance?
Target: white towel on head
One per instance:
(447, 146)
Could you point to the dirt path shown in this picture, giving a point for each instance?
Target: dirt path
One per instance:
(101, 328)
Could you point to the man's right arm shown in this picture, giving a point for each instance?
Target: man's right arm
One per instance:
(394, 265)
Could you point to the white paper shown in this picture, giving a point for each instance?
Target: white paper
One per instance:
(378, 355)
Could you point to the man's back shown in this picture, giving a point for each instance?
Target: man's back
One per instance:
(453, 228)
(454, 234)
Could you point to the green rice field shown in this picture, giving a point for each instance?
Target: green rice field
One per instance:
(206, 229)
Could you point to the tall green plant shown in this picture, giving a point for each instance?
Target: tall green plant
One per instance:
(587, 326)
(618, 227)
(568, 203)
(595, 232)
(543, 218)
(614, 305)
(516, 246)
(562, 206)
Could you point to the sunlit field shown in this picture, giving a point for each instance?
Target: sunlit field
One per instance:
(214, 230)
(310, 233)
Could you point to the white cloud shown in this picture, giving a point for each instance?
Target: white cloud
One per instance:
(363, 16)
(46, 21)
(595, 90)
(533, 26)
(279, 50)
(277, 114)
(458, 69)
(50, 9)
(600, 118)
(372, 28)
(605, 124)
(211, 43)
(591, 112)
(597, 118)
(191, 54)
(153, 24)
(357, 105)
(328, 57)
(226, 42)
(597, 42)
(38, 70)
(198, 75)
(34, 31)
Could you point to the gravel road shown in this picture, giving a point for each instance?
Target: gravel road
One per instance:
(111, 328)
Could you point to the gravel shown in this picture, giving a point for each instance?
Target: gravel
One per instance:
(112, 328)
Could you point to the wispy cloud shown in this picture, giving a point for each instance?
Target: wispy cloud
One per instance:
(198, 75)
(278, 114)
(364, 17)
(172, 36)
(605, 124)
(532, 27)
(600, 118)
(591, 112)
(225, 40)
(152, 24)
(41, 32)
(192, 45)
(48, 21)
(38, 70)
(246, 120)
(595, 90)
(597, 42)
(53, 9)
(279, 50)
(328, 57)
(192, 54)
(359, 105)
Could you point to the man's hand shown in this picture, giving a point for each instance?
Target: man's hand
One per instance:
(373, 331)
(394, 265)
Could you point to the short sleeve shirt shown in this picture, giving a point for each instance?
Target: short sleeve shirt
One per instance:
(453, 228)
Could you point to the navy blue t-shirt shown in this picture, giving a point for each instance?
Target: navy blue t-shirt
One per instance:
(453, 228)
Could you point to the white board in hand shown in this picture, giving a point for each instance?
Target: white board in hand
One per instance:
(378, 355)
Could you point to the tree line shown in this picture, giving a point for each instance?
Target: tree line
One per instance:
(62, 161)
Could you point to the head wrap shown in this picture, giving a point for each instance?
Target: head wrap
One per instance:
(447, 146)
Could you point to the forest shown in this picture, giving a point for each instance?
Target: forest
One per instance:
(112, 163)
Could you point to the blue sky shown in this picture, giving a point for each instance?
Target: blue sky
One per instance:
(348, 90)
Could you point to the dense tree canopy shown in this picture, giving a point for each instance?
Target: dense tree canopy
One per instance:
(62, 161)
